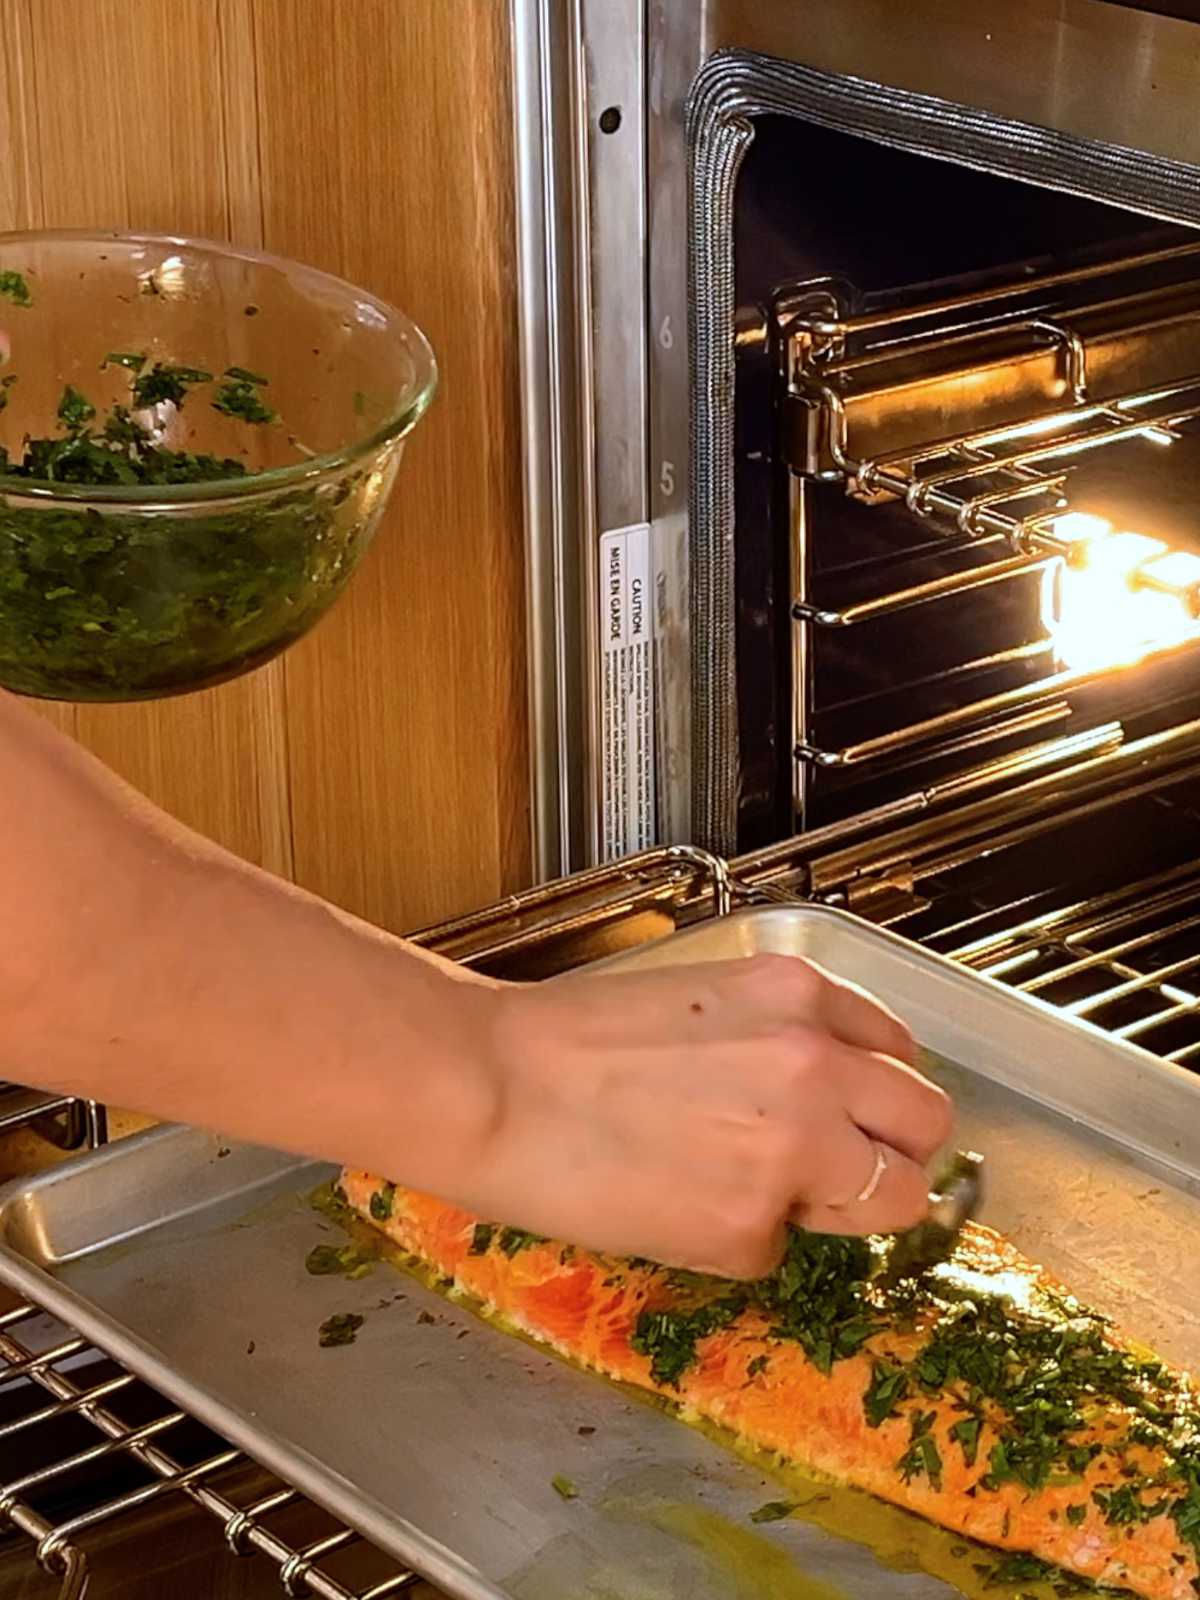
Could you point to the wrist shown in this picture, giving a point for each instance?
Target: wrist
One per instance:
(422, 1101)
(525, 1129)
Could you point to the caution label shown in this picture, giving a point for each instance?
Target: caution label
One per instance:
(627, 691)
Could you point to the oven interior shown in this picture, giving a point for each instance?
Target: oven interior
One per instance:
(968, 567)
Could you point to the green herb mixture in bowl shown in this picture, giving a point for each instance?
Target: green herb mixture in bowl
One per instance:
(196, 446)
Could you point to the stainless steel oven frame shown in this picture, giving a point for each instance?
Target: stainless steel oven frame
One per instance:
(632, 118)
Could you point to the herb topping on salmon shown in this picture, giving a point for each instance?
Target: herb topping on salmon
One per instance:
(985, 1399)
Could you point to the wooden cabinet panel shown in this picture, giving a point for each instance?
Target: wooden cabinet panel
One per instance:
(383, 761)
(401, 150)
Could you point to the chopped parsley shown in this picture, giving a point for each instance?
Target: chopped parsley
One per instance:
(164, 384)
(134, 601)
(773, 1511)
(239, 397)
(965, 1434)
(381, 1202)
(513, 1240)
(324, 1260)
(510, 1241)
(819, 1298)
(670, 1338)
(563, 1487)
(922, 1458)
(1038, 1373)
(888, 1387)
(15, 289)
(1023, 1383)
(1026, 1459)
(341, 1328)
(1124, 1506)
(1017, 1569)
(74, 411)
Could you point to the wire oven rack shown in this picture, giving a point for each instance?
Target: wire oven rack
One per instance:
(1077, 884)
(994, 495)
(1128, 960)
(67, 1381)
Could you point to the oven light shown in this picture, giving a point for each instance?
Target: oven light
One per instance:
(1121, 554)
(1178, 573)
(1114, 608)
(1073, 526)
(1178, 569)
(1075, 531)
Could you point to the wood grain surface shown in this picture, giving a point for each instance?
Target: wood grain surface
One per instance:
(383, 761)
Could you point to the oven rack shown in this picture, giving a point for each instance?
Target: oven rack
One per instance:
(250, 1522)
(1125, 958)
(998, 497)
(1128, 960)
(1009, 482)
(1006, 353)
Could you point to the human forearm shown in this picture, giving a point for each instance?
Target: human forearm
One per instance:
(147, 967)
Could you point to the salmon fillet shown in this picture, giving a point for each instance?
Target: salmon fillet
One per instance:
(986, 1399)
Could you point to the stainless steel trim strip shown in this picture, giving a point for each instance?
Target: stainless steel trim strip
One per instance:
(614, 121)
(551, 301)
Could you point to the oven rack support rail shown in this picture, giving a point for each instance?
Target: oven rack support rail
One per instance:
(1037, 366)
(975, 483)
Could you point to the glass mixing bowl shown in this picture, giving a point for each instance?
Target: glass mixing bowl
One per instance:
(196, 446)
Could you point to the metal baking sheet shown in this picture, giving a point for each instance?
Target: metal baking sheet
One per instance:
(439, 1437)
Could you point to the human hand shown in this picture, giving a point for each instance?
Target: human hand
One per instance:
(688, 1115)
